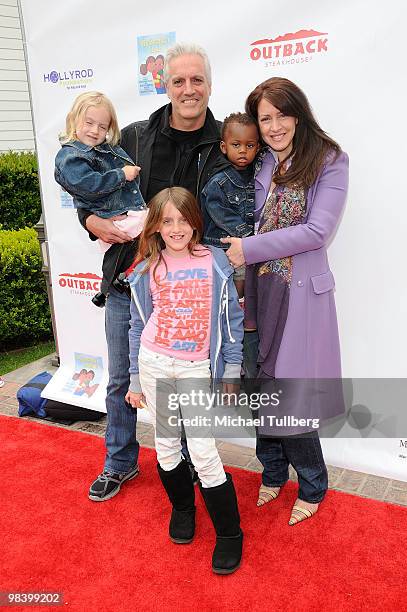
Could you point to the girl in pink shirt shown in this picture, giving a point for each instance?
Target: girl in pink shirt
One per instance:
(186, 327)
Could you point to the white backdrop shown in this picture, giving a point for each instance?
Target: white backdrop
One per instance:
(349, 59)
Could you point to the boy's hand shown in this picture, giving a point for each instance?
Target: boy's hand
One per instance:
(230, 389)
(136, 400)
(131, 172)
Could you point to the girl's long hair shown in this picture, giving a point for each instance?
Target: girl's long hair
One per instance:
(312, 147)
(151, 244)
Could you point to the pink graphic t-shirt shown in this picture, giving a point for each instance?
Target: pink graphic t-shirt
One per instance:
(180, 323)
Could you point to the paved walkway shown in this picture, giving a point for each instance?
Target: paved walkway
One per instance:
(364, 485)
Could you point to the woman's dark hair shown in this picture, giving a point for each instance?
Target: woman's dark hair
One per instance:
(311, 145)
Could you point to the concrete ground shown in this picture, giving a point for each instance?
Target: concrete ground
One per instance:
(357, 483)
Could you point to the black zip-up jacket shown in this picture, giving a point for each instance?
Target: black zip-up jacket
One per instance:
(138, 139)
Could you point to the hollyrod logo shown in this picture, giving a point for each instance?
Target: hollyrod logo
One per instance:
(291, 48)
(71, 79)
(81, 284)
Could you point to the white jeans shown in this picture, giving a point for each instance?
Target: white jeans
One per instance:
(161, 376)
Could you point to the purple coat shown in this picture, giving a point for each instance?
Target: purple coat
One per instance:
(310, 343)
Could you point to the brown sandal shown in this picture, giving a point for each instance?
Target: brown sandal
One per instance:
(299, 514)
(267, 494)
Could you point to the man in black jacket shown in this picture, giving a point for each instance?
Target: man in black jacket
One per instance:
(177, 145)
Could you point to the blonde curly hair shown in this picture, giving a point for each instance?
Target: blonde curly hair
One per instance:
(77, 113)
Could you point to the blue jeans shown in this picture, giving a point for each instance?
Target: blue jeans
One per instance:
(250, 354)
(122, 448)
(305, 455)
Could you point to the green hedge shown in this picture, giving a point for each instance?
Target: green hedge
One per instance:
(24, 310)
(20, 203)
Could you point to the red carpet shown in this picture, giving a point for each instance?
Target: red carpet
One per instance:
(116, 555)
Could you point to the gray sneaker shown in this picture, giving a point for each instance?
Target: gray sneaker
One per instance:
(108, 484)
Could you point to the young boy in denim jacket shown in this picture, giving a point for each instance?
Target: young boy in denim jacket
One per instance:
(228, 198)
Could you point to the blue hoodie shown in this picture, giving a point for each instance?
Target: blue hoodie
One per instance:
(226, 339)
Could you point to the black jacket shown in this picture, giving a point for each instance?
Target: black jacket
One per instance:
(138, 139)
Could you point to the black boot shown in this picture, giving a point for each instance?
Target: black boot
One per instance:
(221, 503)
(180, 490)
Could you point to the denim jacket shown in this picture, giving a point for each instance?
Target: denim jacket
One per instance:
(95, 178)
(228, 207)
(226, 339)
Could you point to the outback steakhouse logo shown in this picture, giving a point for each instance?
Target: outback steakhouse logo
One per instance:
(84, 284)
(291, 48)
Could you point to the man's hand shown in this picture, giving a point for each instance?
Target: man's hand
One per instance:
(235, 251)
(131, 172)
(137, 400)
(106, 230)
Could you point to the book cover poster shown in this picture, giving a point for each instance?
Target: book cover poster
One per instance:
(151, 52)
(86, 376)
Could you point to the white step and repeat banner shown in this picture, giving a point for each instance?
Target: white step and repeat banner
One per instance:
(348, 57)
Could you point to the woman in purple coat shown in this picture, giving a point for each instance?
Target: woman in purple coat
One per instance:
(301, 185)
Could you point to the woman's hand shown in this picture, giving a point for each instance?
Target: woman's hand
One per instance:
(136, 400)
(235, 251)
